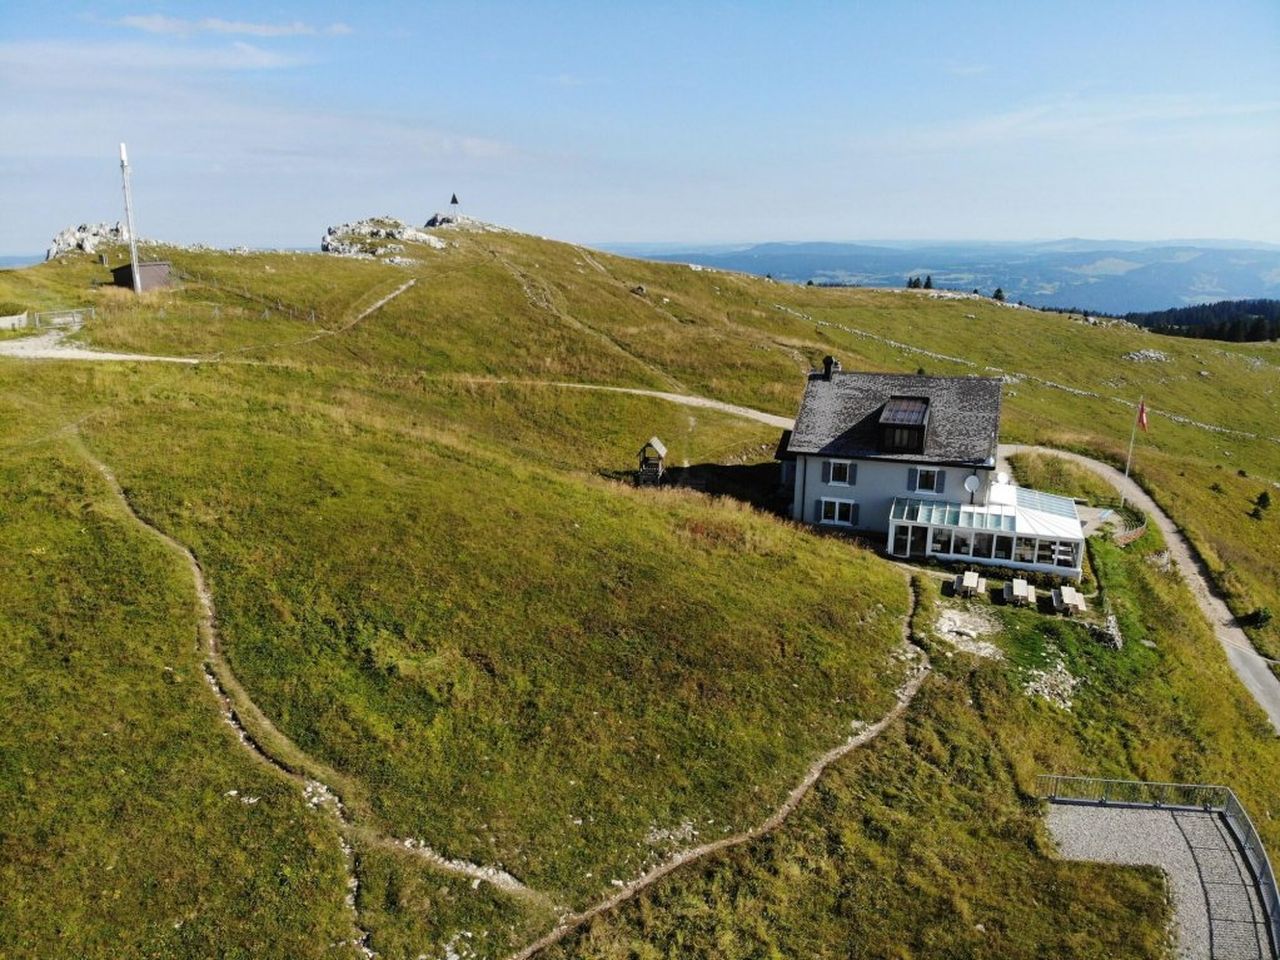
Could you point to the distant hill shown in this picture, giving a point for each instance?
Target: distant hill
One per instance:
(1103, 276)
(1237, 320)
(9, 262)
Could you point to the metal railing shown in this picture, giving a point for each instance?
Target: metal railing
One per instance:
(62, 318)
(1178, 796)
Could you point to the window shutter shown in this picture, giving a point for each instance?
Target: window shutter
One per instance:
(826, 471)
(853, 514)
(817, 510)
(853, 473)
(912, 474)
(942, 481)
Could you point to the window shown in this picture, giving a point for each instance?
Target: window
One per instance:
(841, 512)
(1004, 548)
(962, 542)
(940, 540)
(903, 440)
(1025, 552)
(982, 544)
(927, 480)
(840, 472)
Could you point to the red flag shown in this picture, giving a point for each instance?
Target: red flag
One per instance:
(1142, 415)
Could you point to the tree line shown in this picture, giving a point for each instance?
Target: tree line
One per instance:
(1235, 320)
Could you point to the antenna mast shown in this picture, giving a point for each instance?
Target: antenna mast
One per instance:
(128, 217)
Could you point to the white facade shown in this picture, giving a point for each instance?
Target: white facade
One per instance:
(872, 485)
(925, 510)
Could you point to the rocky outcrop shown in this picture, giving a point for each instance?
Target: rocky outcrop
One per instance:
(86, 238)
(375, 237)
(1146, 356)
(456, 221)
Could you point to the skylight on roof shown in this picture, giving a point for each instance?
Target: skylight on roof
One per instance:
(905, 411)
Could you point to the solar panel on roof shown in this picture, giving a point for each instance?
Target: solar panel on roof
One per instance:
(905, 411)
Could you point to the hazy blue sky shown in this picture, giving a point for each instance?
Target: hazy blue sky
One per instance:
(261, 123)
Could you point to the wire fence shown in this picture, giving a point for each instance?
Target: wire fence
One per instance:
(307, 316)
(1178, 796)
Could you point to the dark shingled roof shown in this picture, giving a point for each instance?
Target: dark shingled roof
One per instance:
(840, 417)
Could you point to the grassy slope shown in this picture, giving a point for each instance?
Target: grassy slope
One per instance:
(117, 835)
(440, 604)
(926, 844)
(305, 484)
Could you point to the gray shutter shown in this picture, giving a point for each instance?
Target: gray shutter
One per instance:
(912, 474)
(826, 471)
(942, 481)
(853, 514)
(853, 473)
(817, 510)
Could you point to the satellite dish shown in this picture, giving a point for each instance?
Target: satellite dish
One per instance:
(972, 483)
(1002, 477)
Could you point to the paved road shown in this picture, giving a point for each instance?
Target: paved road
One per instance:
(1252, 669)
(1215, 901)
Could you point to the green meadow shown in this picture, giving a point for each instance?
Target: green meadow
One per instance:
(431, 575)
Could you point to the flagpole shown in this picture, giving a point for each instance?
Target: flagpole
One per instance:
(1133, 435)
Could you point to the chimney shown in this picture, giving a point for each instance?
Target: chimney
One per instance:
(829, 365)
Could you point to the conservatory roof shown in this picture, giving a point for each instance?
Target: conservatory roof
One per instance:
(1009, 509)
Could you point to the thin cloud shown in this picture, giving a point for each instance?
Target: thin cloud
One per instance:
(178, 26)
(89, 58)
(1075, 120)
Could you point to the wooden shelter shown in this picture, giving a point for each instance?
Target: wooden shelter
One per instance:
(652, 462)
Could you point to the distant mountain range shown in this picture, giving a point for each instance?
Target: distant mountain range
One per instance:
(1108, 276)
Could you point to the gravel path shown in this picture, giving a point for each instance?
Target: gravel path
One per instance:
(1216, 908)
(270, 745)
(53, 346)
(1252, 668)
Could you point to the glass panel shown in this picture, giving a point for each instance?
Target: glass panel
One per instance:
(940, 542)
(898, 508)
(1008, 523)
(828, 511)
(900, 534)
(844, 512)
(1045, 552)
(962, 542)
(1067, 553)
(966, 518)
(913, 510)
(1004, 548)
(982, 543)
(1026, 550)
(953, 514)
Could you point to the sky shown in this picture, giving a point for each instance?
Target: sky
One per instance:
(262, 123)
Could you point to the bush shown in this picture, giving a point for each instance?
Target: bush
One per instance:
(1258, 618)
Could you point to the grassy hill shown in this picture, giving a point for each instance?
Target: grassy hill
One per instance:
(429, 579)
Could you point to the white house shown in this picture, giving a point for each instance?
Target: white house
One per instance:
(913, 458)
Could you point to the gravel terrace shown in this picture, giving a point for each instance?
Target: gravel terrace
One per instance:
(1216, 908)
